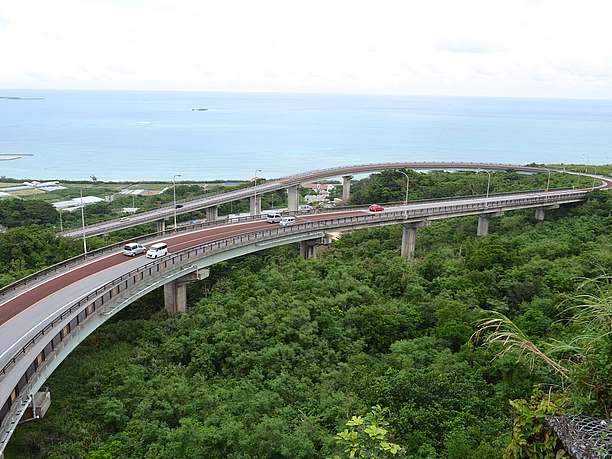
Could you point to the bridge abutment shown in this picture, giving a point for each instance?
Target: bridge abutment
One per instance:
(346, 188)
(255, 205)
(212, 213)
(409, 232)
(175, 292)
(293, 198)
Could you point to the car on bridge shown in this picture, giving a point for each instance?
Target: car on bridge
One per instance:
(287, 221)
(132, 249)
(157, 250)
(376, 208)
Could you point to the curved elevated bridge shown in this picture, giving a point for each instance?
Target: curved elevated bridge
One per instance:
(291, 183)
(46, 315)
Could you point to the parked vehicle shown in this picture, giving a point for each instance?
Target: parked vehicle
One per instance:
(305, 208)
(273, 217)
(376, 208)
(287, 221)
(157, 250)
(132, 249)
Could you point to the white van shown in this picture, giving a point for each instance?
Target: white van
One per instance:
(132, 249)
(273, 217)
(157, 250)
(287, 221)
(305, 208)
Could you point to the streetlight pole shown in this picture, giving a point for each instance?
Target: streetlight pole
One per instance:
(174, 195)
(255, 190)
(83, 223)
(407, 187)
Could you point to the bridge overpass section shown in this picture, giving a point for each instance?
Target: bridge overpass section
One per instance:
(42, 320)
(291, 184)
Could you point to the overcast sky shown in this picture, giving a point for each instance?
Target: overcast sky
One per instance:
(547, 48)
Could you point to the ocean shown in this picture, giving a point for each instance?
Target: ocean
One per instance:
(132, 135)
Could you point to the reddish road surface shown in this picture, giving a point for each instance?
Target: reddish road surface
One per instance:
(175, 243)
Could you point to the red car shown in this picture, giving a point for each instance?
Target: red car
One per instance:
(376, 208)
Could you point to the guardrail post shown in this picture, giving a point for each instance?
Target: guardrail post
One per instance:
(346, 188)
(212, 213)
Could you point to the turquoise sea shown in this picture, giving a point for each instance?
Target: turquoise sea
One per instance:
(117, 135)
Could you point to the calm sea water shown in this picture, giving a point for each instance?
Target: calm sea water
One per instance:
(117, 135)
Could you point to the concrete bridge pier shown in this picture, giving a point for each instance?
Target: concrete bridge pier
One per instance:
(346, 188)
(161, 226)
(540, 212)
(38, 407)
(175, 292)
(483, 223)
(293, 198)
(255, 205)
(212, 213)
(409, 231)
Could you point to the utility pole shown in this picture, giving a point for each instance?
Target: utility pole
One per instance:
(255, 189)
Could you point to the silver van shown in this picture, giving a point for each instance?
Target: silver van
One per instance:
(273, 217)
(287, 221)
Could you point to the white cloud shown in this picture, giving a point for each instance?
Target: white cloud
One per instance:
(516, 47)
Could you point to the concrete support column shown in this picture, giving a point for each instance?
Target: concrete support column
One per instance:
(255, 205)
(306, 250)
(175, 297)
(539, 214)
(212, 213)
(293, 198)
(408, 240)
(175, 292)
(161, 226)
(346, 188)
(483, 225)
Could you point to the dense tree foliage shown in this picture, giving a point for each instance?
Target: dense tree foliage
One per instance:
(277, 353)
(16, 212)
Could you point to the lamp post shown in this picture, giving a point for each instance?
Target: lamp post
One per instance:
(174, 195)
(255, 190)
(83, 223)
(407, 187)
